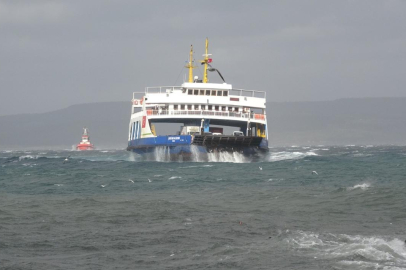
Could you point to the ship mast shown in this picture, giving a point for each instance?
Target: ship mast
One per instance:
(190, 64)
(206, 61)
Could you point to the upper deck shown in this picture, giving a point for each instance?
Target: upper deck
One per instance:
(200, 93)
(219, 102)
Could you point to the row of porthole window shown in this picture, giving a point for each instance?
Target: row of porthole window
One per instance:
(205, 107)
(201, 92)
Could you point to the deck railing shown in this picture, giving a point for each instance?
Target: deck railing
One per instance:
(170, 89)
(256, 116)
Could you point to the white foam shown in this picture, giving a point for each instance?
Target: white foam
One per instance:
(367, 249)
(361, 155)
(362, 186)
(27, 157)
(289, 155)
(174, 177)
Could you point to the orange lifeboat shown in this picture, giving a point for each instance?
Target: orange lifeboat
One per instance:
(85, 143)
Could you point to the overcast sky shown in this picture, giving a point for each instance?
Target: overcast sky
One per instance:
(57, 53)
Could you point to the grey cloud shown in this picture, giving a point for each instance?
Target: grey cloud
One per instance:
(58, 53)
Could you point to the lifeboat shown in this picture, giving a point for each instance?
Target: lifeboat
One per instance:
(85, 143)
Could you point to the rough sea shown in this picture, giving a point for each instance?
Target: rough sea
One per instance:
(297, 208)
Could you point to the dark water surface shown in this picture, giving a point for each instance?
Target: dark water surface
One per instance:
(109, 210)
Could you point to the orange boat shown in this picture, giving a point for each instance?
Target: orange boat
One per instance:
(85, 143)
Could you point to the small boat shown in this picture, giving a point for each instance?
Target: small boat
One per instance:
(205, 111)
(85, 143)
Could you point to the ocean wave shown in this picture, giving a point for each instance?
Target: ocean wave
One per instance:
(174, 177)
(361, 155)
(362, 186)
(20, 158)
(359, 251)
(289, 155)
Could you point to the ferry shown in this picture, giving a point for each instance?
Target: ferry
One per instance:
(85, 143)
(204, 117)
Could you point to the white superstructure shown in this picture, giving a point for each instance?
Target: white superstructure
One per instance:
(198, 103)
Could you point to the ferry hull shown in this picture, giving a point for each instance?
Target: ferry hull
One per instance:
(183, 147)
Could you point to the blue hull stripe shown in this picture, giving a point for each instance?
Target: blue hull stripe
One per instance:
(179, 144)
(172, 140)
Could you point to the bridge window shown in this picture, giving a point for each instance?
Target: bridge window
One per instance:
(190, 92)
(219, 93)
(196, 107)
(201, 92)
(182, 107)
(213, 92)
(196, 92)
(189, 107)
(230, 109)
(203, 107)
(210, 107)
(207, 92)
(216, 108)
(236, 109)
(175, 107)
(223, 108)
(225, 93)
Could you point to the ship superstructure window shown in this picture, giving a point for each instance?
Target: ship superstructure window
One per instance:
(203, 107)
(225, 93)
(182, 107)
(213, 92)
(201, 92)
(230, 109)
(216, 108)
(175, 107)
(236, 109)
(224, 108)
(190, 92)
(219, 93)
(210, 107)
(196, 107)
(207, 92)
(189, 107)
(196, 92)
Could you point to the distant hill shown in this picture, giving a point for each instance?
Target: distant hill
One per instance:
(339, 122)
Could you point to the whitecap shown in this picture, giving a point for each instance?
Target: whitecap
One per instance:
(290, 155)
(362, 186)
(361, 155)
(383, 252)
(174, 177)
(27, 157)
